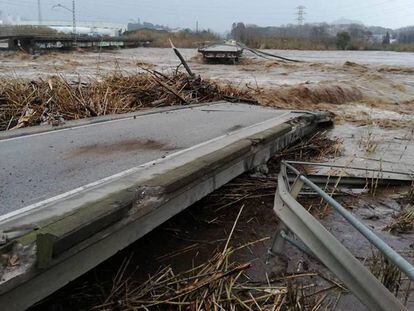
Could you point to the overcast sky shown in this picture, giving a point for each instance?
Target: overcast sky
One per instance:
(220, 14)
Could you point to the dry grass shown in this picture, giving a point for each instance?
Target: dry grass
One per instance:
(403, 222)
(390, 276)
(368, 142)
(218, 284)
(259, 186)
(21, 30)
(315, 147)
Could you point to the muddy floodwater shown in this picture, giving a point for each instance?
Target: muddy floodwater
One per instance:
(129, 59)
(96, 63)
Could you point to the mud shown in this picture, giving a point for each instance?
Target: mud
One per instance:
(120, 147)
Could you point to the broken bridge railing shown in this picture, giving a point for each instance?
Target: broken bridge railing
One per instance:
(313, 238)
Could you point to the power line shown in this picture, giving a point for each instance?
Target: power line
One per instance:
(361, 10)
(301, 14)
(73, 11)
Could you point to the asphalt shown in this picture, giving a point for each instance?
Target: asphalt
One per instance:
(39, 166)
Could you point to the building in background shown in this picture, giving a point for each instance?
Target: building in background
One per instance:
(94, 28)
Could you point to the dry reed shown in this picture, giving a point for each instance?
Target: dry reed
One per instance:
(403, 222)
(52, 100)
(218, 284)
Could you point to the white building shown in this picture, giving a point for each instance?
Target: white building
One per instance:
(86, 28)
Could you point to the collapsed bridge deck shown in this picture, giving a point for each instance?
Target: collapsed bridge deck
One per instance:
(98, 185)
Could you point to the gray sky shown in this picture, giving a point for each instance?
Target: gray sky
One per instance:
(220, 14)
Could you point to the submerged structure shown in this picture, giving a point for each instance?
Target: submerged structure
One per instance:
(222, 52)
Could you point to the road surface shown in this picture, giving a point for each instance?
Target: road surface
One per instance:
(36, 167)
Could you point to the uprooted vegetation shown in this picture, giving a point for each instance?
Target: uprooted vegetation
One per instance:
(52, 100)
(219, 284)
(26, 103)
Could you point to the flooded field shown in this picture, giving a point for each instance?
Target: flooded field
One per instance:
(372, 96)
(381, 81)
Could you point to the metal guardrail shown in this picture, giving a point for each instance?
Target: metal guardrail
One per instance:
(319, 242)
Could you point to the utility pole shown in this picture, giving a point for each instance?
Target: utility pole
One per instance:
(301, 14)
(73, 11)
(39, 12)
(74, 22)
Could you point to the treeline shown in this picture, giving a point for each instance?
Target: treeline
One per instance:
(324, 37)
(405, 35)
(182, 39)
(146, 25)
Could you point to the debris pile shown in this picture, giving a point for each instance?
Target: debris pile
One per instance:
(53, 100)
(315, 147)
(250, 187)
(219, 284)
(56, 99)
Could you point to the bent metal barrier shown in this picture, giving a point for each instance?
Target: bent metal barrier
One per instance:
(319, 242)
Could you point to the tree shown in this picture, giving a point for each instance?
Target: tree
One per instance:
(318, 32)
(343, 39)
(359, 32)
(386, 39)
(238, 32)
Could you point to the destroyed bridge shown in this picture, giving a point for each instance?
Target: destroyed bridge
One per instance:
(74, 195)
